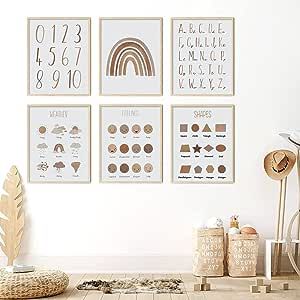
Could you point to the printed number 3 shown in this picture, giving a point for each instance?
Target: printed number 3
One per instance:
(78, 34)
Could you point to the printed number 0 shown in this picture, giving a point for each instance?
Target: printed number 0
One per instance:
(38, 28)
(39, 76)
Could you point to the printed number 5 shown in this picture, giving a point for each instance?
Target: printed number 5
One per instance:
(53, 55)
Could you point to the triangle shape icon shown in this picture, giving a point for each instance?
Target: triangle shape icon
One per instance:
(206, 128)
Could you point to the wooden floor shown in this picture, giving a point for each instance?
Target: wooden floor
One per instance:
(222, 289)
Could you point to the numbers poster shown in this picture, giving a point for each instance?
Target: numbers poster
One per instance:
(131, 56)
(59, 143)
(131, 143)
(203, 56)
(59, 56)
(203, 144)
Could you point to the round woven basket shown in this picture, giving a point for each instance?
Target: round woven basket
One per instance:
(37, 284)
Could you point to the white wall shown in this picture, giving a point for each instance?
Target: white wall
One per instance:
(145, 220)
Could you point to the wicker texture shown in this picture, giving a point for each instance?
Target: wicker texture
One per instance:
(37, 284)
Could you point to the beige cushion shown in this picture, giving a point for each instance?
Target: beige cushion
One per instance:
(37, 284)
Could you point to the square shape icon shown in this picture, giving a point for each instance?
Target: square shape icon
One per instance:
(131, 56)
(59, 53)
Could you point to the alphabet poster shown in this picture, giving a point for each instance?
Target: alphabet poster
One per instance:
(203, 144)
(59, 143)
(131, 143)
(131, 56)
(59, 56)
(203, 56)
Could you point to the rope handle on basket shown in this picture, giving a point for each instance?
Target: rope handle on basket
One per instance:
(289, 242)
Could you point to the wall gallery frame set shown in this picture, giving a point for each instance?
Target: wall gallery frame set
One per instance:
(130, 56)
(130, 64)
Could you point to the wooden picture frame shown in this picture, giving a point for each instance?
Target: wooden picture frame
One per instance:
(66, 137)
(200, 112)
(65, 57)
(231, 70)
(158, 61)
(130, 115)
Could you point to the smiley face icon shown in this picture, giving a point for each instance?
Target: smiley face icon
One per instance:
(124, 129)
(112, 129)
(112, 168)
(148, 128)
(136, 128)
(136, 148)
(124, 168)
(148, 168)
(112, 148)
(148, 148)
(124, 148)
(136, 168)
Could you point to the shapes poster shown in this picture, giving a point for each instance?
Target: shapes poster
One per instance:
(203, 56)
(131, 143)
(131, 56)
(203, 144)
(59, 143)
(59, 56)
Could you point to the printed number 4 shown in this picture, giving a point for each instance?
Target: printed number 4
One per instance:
(38, 60)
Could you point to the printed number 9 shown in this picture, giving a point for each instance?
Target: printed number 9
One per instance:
(55, 77)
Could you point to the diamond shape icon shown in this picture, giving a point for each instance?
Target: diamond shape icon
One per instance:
(208, 148)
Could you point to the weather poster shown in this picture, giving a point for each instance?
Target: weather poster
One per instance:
(59, 143)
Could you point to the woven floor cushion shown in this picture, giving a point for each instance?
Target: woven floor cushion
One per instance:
(37, 284)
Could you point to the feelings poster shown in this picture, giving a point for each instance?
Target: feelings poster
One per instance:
(131, 56)
(59, 56)
(203, 56)
(59, 143)
(203, 144)
(131, 143)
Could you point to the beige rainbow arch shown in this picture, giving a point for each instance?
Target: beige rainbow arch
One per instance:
(130, 50)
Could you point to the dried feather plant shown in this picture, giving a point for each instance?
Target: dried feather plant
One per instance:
(12, 215)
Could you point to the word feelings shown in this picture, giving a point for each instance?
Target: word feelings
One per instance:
(59, 56)
(202, 57)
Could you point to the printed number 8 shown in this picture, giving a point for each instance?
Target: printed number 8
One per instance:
(39, 76)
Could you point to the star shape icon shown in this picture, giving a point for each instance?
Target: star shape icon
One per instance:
(197, 148)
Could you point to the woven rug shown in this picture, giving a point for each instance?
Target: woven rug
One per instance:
(134, 286)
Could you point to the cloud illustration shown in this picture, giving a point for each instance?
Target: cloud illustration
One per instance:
(59, 165)
(58, 129)
(75, 146)
(42, 146)
(75, 130)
